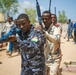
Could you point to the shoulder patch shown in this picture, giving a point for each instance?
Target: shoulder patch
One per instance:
(34, 39)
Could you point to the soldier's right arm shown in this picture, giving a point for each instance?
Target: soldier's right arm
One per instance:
(51, 38)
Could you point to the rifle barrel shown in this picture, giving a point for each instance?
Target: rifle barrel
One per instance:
(38, 12)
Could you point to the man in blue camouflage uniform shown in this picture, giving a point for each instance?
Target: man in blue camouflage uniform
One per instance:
(31, 43)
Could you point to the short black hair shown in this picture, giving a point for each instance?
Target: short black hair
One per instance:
(69, 20)
(47, 12)
(23, 16)
(53, 14)
(11, 18)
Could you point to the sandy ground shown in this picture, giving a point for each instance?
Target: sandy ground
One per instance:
(12, 65)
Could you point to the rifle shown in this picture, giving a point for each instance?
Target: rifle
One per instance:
(50, 5)
(12, 31)
(38, 12)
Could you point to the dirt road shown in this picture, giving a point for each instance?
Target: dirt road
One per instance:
(69, 54)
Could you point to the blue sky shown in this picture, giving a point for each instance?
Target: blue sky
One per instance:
(69, 6)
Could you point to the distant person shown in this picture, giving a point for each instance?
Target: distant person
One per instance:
(70, 28)
(71, 35)
(9, 24)
(56, 25)
(74, 27)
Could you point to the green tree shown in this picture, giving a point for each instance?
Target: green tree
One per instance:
(32, 14)
(8, 7)
(62, 18)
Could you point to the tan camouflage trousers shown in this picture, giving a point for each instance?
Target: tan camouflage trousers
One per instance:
(52, 68)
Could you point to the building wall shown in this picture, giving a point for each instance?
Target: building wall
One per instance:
(1, 17)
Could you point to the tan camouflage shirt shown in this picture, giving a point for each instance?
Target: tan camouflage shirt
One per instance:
(52, 45)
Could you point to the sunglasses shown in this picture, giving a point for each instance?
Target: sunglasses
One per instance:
(44, 19)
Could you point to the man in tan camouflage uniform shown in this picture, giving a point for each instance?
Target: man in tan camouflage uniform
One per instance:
(52, 46)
